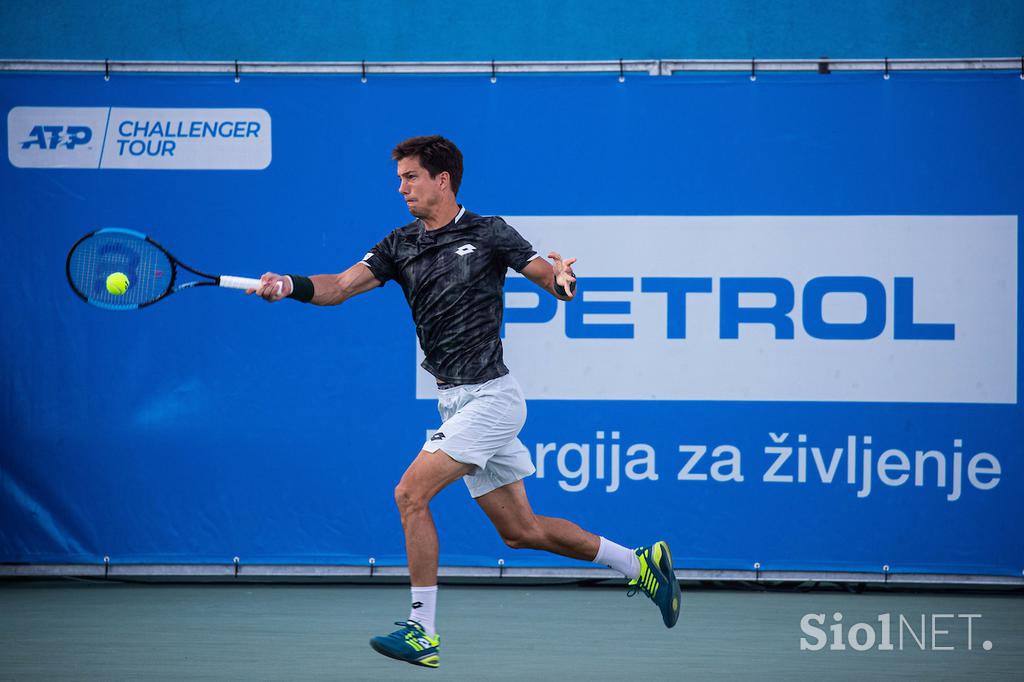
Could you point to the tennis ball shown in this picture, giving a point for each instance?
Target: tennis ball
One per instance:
(117, 283)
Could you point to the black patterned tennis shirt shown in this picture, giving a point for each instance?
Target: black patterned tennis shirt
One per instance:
(453, 279)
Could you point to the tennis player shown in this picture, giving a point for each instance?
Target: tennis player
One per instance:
(451, 265)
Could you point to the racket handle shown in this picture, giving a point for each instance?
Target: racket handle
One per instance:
(239, 282)
(230, 282)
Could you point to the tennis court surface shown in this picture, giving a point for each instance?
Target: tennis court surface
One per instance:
(74, 630)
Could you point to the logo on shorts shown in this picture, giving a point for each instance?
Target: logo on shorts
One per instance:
(465, 249)
(437, 436)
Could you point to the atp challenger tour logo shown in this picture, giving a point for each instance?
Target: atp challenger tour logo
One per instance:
(907, 309)
(94, 137)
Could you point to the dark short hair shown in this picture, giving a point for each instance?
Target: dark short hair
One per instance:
(436, 154)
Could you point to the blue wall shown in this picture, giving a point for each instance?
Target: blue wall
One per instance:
(212, 425)
(494, 29)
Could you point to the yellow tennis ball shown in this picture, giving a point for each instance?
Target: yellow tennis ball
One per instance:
(117, 283)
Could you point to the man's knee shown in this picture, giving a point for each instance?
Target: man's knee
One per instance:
(408, 499)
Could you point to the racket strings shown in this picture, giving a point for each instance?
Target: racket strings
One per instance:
(98, 256)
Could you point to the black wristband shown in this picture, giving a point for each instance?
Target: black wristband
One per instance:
(302, 288)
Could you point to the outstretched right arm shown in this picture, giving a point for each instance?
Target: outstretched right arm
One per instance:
(327, 289)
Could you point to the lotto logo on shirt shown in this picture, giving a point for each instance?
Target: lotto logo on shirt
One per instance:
(101, 137)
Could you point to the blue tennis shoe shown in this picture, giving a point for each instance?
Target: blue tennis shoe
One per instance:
(410, 643)
(657, 580)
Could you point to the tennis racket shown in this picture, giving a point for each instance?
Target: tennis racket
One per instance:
(151, 270)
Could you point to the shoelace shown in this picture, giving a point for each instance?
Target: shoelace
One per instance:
(641, 582)
(637, 588)
(414, 628)
(407, 625)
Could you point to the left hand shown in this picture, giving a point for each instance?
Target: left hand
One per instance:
(564, 276)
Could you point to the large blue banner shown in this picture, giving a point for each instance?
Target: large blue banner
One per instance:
(796, 340)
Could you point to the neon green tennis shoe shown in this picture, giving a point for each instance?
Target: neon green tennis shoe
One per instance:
(657, 580)
(410, 643)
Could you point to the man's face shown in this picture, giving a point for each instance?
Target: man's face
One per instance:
(422, 193)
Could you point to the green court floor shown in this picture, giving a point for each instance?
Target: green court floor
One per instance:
(76, 631)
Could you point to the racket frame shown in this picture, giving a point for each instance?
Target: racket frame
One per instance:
(172, 286)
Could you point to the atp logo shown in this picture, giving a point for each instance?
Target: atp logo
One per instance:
(465, 249)
(52, 137)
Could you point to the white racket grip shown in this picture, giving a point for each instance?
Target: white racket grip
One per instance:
(230, 282)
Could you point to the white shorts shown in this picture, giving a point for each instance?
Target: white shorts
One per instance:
(480, 425)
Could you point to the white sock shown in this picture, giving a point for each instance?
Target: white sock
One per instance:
(622, 559)
(424, 601)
